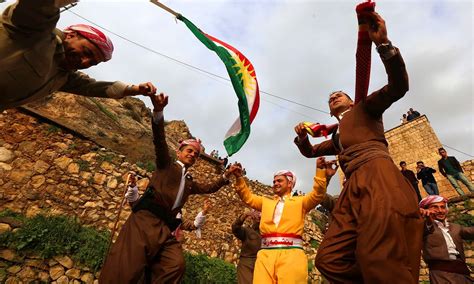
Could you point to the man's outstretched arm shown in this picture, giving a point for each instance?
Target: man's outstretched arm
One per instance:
(324, 172)
(163, 158)
(81, 84)
(310, 151)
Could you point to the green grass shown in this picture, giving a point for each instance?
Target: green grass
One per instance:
(203, 269)
(58, 235)
(104, 110)
(148, 165)
(53, 129)
(314, 243)
(49, 236)
(83, 165)
(455, 215)
(310, 265)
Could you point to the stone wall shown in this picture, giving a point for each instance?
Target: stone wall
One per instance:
(15, 269)
(44, 168)
(416, 141)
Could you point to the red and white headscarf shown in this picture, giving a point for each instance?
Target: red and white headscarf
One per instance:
(290, 176)
(195, 143)
(430, 199)
(94, 35)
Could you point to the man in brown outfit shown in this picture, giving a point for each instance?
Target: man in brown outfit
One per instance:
(146, 239)
(376, 232)
(251, 242)
(443, 249)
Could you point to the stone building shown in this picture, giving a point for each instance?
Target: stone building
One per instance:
(416, 141)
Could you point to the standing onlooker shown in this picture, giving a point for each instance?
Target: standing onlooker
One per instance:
(410, 115)
(449, 167)
(415, 113)
(427, 178)
(403, 120)
(410, 175)
(443, 249)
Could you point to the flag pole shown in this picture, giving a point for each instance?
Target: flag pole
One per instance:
(166, 8)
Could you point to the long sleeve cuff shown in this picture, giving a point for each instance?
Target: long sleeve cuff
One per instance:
(199, 220)
(116, 90)
(240, 184)
(157, 116)
(387, 51)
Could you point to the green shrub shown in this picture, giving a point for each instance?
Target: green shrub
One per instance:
(57, 235)
(83, 165)
(310, 265)
(53, 129)
(455, 215)
(49, 236)
(203, 269)
(148, 165)
(314, 243)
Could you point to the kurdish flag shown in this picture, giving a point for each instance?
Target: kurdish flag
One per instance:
(243, 78)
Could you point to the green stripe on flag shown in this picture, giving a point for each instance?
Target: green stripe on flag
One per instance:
(233, 143)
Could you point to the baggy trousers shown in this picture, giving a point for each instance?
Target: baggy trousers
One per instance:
(282, 266)
(376, 232)
(245, 270)
(144, 242)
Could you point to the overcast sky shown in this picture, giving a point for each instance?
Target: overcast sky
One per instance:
(301, 50)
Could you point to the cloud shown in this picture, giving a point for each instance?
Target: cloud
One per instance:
(302, 50)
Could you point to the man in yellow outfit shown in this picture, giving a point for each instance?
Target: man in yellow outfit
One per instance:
(281, 258)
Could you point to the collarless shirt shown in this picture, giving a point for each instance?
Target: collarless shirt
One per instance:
(447, 237)
(279, 210)
(336, 136)
(179, 196)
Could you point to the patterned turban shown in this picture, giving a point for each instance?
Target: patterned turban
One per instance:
(430, 199)
(95, 36)
(195, 143)
(288, 174)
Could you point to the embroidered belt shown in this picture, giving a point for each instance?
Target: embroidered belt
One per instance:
(281, 241)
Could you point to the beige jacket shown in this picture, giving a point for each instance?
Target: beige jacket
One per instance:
(30, 51)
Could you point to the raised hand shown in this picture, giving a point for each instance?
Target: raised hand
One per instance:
(146, 89)
(321, 163)
(300, 130)
(207, 206)
(377, 28)
(159, 101)
(235, 169)
(331, 168)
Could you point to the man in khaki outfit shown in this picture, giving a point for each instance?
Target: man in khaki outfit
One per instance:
(38, 59)
(146, 240)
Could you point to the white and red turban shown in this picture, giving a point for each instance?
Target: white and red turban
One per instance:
(95, 36)
(290, 176)
(430, 199)
(195, 143)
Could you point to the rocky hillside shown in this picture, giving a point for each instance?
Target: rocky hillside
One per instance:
(119, 125)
